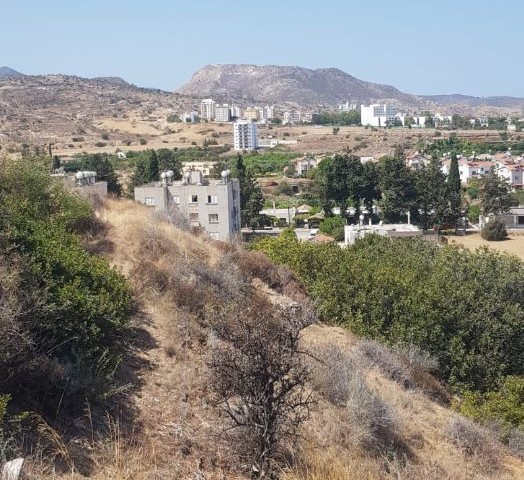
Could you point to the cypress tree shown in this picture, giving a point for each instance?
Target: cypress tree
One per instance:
(454, 193)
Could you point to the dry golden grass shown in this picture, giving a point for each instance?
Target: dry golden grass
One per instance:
(177, 433)
(514, 244)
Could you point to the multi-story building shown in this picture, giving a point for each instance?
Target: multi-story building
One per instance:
(235, 112)
(207, 109)
(245, 135)
(251, 113)
(222, 113)
(210, 204)
(190, 117)
(377, 115)
(292, 117)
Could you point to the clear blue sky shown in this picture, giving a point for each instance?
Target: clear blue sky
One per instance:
(419, 46)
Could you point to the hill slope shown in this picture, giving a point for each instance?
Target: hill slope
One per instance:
(8, 72)
(277, 84)
(179, 433)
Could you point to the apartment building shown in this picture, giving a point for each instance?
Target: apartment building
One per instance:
(207, 109)
(222, 113)
(377, 115)
(292, 117)
(251, 113)
(213, 205)
(235, 112)
(245, 135)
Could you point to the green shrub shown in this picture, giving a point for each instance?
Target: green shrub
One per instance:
(463, 307)
(76, 327)
(473, 213)
(505, 405)
(334, 227)
(494, 230)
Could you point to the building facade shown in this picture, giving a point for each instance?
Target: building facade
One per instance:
(213, 205)
(377, 115)
(251, 113)
(245, 135)
(207, 109)
(222, 113)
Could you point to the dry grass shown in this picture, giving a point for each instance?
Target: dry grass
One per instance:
(514, 244)
(177, 433)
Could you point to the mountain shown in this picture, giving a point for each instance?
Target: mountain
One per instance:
(10, 73)
(328, 86)
(470, 101)
(277, 84)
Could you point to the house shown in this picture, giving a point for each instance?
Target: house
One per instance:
(205, 167)
(469, 168)
(514, 218)
(302, 165)
(84, 183)
(512, 172)
(210, 204)
(354, 232)
(416, 161)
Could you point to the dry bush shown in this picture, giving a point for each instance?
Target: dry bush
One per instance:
(338, 377)
(257, 376)
(475, 442)
(175, 217)
(516, 442)
(386, 361)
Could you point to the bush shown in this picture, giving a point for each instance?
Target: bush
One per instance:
(494, 230)
(473, 213)
(70, 337)
(475, 442)
(334, 227)
(142, 141)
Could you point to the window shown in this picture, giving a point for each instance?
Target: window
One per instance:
(193, 217)
(214, 235)
(213, 199)
(213, 218)
(193, 198)
(175, 199)
(150, 201)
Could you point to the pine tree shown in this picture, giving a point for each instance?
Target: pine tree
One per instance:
(495, 194)
(251, 199)
(432, 199)
(454, 191)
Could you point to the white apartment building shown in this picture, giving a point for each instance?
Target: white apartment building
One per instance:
(207, 109)
(245, 135)
(190, 117)
(210, 204)
(377, 115)
(235, 112)
(292, 117)
(222, 113)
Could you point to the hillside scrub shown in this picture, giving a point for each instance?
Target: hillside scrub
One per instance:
(465, 308)
(64, 314)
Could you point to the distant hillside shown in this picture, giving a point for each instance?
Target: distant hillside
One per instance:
(10, 73)
(457, 99)
(328, 86)
(277, 84)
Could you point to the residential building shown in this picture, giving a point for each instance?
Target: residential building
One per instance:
(302, 165)
(84, 183)
(251, 113)
(347, 106)
(377, 115)
(268, 113)
(469, 168)
(440, 120)
(213, 205)
(292, 117)
(514, 218)
(512, 172)
(416, 161)
(205, 167)
(419, 121)
(222, 113)
(235, 112)
(245, 135)
(190, 117)
(207, 109)
(401, 230)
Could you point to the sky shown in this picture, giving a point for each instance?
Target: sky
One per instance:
(419, 46)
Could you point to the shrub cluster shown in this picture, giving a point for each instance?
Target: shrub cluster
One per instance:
(63, 312)
(463, 307)
(494, 230)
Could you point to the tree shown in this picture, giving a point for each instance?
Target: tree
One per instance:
(257, 375)
(454, 191)
(104, 171)
(251, 199)
(431, 194)
(339, 180)
(397, 185)
(495, 194)
(146, 170)
(56, 163)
